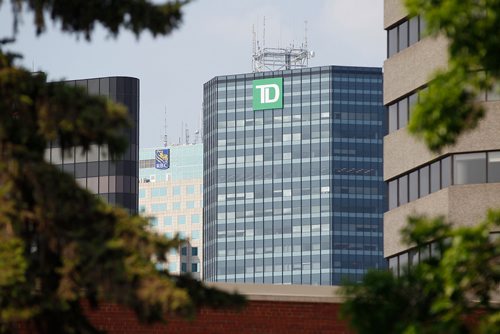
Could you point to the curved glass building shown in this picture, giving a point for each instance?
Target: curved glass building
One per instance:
(116, 181)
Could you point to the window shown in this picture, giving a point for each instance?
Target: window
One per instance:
(494, 167)
(400, 110)
(190, 189)
(195, 235)
(167, 221)
(413, 186)
(182, 234)
(194, 267)
(403, 35)
(403, 263)
(183, 267)
(435, 176)
(402, 113)
(413, 30)
(157, 192)
(142, 193)
(194, 251)
(176, 205)
(424, 181)
(184, 251)
(446, 172)
(393, 117)
(181, 220)
(195, 219)
(190, 205)
(159, 207)
(393, 265)
(469, 168)
(392, 47)
(403, 190)
(153, 221)
(169, 235)
(176, 190)
(393, 194)
(172, 267)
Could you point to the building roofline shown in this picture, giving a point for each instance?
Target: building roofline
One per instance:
(285, 293)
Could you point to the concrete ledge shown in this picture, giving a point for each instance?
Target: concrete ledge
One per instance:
(412, 67)
(403, 152)
(463, 205)
(291, 293)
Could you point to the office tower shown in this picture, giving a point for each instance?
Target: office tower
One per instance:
(171, 193)
(461, 182)
(115, 181)
(293, 175)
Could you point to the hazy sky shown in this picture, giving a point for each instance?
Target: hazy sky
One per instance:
(214, 39)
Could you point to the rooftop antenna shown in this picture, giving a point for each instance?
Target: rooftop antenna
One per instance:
(197, 132)
(264, 34)
(165, 138)
(182, 130)
(280, 58)
(187, 135)
(305, 34)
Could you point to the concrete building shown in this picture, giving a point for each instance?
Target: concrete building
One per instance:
(293, 175)
(172, 197)
(461, 182)
(116, 181)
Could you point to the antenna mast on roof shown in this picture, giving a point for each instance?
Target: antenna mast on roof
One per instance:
(276, 59)
(165, 138)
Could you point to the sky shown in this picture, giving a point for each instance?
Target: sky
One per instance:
(215, 38)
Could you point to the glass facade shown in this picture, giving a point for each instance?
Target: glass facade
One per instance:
(172, 198)
(116, 181)
(294, 195)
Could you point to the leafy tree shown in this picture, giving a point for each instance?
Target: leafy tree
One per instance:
(60, 244)
(447, 293)
(450, 107)
(451, 292)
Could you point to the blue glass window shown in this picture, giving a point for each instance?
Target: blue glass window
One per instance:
(157, 192)
(159, 207)
(195, 219)
(176, 190)
(190, 189)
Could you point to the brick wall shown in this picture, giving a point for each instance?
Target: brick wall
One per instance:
(285, 317)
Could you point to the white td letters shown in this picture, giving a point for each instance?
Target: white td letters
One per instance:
(265, 93)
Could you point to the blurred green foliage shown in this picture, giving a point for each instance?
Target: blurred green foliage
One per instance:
(450, 292)
(449, 107)
(59, 244)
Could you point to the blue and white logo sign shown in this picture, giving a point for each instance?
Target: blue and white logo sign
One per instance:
(162, 159)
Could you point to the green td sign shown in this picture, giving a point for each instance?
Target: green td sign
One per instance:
(268, 94)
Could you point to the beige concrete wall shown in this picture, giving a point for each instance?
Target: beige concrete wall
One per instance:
(403, 151)
(412, 67)
(464, 205)
(275, 292)
(394, 10)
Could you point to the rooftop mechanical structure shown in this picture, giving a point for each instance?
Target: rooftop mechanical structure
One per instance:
(276, 59)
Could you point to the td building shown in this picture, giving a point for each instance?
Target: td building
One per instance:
(293, 185)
